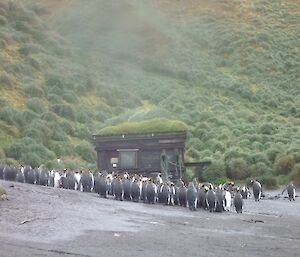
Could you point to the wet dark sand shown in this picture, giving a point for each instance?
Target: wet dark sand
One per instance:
(42, 221)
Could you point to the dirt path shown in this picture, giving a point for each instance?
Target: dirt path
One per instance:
(41, 221)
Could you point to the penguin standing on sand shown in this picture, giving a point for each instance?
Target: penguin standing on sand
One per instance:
(182, 196)
(202, 196)
(256, 186)
(151, 192)
(238, 201)
(220, 200)
(87, 181)
(31, 177)
(78, 178)
(20, 175)
(144, 190)
(127, 185)
(173, 195)
(245, 192)
(291, 190)
(51, 178)
(10, 173)
(27, 168)
(211, 199)
(57, 180)
(118, 188)
(71, 180)
(191, 195)
(97, 180)
(228, 200)
(135, 190)
(164, 194)
(103, 186)
(63, 179)
(43, 176)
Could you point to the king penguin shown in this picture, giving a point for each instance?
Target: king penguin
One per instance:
(211, 199)
(238, 201)
(191, 195)
(256, 186)
(291, 190)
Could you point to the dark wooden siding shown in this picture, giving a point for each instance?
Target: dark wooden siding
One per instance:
(149, 149)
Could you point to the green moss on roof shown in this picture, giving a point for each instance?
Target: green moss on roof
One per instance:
(144, 127)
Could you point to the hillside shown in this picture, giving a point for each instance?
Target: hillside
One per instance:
(229, 69)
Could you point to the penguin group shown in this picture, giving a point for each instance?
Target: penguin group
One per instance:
(138, 188)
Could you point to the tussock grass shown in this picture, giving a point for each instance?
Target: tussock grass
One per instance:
(144, 127)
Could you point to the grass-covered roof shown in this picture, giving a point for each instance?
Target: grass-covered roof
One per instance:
(144, 127)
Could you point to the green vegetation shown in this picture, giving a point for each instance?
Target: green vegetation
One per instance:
(2, 192)
(144, 127)
(227, 69)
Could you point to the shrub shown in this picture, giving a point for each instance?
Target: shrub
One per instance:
(102, 115)
(258, 157)
(3, 12)
(41, 151)
(34, 133)
(2, 192)
(61, 148)
(10, 161)
(233, 153)
(15, 68)
(282, 180)
(86, 152)
(34, 63)
(272, 153)
(18, 147)
(54, 81)
(284, 164)
(268, 181)
(64, 110)
(6, 80)
(67, 127)
(8, 129)
(70, 97)
(50, 117)
(28, 49)
(237, 169)
(7, 114)
(2, 44)
(40, 9)
(34, 90)
(215, 171)
(72, 164)
(57, 133)
(295, 175)
(3, 20)
(259, 169)
(24, 118)
(267, 128)
(41, 126)
(31, 159)
(2, 154)
(83, 133)
(188, 175)
(36, 105)
(82, 115)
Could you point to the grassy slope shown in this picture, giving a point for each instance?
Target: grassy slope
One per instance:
(229, 69)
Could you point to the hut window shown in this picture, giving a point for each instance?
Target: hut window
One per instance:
(128, 159)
